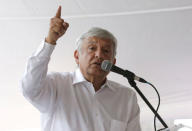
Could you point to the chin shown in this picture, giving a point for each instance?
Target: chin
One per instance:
(97, 72)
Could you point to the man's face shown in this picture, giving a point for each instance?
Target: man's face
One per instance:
(93, 51)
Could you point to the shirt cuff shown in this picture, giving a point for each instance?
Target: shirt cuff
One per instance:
(44, 50)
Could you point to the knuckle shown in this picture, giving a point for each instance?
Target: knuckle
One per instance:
(62, 20)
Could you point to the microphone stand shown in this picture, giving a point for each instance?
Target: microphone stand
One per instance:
(133, 84)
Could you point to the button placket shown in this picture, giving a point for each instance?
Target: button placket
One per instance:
(96, 115)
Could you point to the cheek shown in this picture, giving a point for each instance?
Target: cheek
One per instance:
(84, 59)
(88, 55)
(108, 56)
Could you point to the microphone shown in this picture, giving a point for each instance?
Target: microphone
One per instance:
(108, 66)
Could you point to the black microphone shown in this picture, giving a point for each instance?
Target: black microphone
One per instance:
(108, 66)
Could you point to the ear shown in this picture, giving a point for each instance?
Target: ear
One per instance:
(114, 61)
(76, 56)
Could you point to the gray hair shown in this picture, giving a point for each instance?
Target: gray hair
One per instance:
(97, 32)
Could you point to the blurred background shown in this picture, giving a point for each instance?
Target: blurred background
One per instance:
(154, 41)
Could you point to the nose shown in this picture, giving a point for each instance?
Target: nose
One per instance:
(99, 54)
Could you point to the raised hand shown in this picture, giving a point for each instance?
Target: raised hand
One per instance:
(58, 27)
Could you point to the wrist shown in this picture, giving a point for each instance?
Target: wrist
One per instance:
(48, 40)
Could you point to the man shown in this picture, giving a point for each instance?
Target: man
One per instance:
(84, 100)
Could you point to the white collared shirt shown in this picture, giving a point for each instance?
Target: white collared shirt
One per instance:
(68, 102)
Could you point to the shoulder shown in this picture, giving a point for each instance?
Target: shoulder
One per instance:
(59, 75)
(60, 80)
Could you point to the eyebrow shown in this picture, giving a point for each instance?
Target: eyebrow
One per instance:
(92, 42)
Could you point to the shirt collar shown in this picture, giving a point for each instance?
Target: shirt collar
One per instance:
(107, 84)
(79, 78)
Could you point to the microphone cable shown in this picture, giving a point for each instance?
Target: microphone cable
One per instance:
(157, 108)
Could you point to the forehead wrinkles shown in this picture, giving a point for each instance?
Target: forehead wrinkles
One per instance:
(93, 40)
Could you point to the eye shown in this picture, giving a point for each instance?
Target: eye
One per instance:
(106, 50)
(91, 48)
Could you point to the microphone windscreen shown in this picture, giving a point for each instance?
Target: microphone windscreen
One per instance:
(106, 65)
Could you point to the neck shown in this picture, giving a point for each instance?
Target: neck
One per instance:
(97, 81)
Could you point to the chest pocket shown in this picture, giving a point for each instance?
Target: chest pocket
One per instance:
(118, 125)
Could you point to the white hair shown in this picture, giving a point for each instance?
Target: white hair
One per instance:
(100, 33)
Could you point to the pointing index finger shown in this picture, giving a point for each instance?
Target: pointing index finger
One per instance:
(58, 14)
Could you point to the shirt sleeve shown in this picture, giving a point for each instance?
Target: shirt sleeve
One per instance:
(36, 86)
(134, 123)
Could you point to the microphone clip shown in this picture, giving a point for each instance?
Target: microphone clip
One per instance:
(129, 75)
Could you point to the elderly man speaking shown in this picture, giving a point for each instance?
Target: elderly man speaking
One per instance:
(83, 100)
